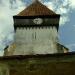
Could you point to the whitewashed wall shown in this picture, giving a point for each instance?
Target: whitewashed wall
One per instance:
(35, 41)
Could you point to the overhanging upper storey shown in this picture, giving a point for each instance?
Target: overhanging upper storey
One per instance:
(36, 10)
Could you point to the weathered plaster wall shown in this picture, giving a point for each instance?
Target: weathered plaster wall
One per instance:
(35, 41)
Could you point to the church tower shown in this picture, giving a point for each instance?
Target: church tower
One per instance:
(36, 31)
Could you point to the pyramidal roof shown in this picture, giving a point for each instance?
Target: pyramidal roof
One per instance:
(35, 9)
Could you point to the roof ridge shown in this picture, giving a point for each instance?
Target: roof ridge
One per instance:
(36, 8)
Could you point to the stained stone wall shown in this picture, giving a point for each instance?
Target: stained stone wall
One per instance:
(4, 69)
(53, 64)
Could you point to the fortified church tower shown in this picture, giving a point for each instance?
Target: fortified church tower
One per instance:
(36, 31)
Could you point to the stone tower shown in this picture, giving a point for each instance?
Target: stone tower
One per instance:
(36, 31)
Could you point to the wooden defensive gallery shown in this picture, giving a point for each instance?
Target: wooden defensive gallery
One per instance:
(36, 48)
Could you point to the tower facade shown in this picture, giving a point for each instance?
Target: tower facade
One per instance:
(36, 31)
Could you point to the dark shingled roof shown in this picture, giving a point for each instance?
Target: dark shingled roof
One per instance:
(35, 9)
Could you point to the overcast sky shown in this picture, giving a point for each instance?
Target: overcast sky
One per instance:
(66, 8)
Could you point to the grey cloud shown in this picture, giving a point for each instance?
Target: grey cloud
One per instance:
(7, 10)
